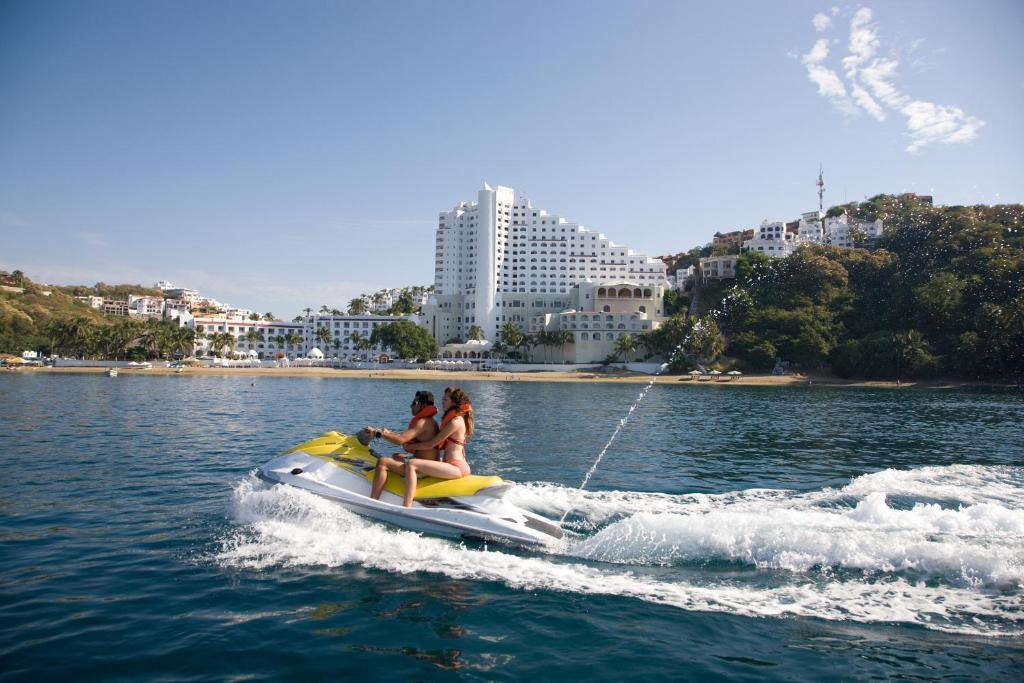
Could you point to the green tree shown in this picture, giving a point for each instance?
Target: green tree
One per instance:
(476, 333)
(323, 335)
(357, 306)
(405, 339)
(625, 346)
(292, 339)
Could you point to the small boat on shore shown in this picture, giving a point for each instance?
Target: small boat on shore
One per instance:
(340, 467)
(111, 372)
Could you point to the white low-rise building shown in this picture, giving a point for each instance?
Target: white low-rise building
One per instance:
(292, 340)
(145, 306)
(771, 239)
(684, 278)
(716, 268)
(600, 315)
(91, 301)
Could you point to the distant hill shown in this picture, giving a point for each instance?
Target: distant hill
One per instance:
(24, 317)
(118, 292)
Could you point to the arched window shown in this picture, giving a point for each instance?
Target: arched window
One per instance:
(624, 293)
(601, 291)
(637, 293)
(607, 308)
(609, 336)
(647, 293)
(584, 336)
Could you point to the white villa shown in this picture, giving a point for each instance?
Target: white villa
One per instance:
(773, 239)
(599, 314)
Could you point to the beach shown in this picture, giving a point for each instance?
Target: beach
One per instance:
(589, 375)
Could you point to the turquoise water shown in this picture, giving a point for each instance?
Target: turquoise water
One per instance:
(730, 532)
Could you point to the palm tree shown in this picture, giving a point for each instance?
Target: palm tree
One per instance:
(183, 341)
(512, 336)
(324, 336)
(906, 344)
(498, 349)
(268, 316)
(254, 316)
(324, 310)
(476, 333)
(649, 342)
(293, 338)
(357, 306)
(365, 344)
(565, 337)
(252, 336)
(528, 343)
(543, 339)
(625, 346)
(79, 335)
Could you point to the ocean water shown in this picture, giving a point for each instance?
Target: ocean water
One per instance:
(729, 532)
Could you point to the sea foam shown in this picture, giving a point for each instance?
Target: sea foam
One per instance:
(953, 568)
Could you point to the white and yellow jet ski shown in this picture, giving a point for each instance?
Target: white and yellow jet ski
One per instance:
(340, 467)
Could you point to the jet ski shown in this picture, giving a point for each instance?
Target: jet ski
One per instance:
(340, 467)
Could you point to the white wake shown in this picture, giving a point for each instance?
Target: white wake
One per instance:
(839, 554)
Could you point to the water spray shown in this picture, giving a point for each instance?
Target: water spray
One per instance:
(625, 419)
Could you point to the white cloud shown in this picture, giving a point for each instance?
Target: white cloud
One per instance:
(928, 122)
(829, 84)
(867, 103)
(863, 42)
(828, 81)
(818, 53)
(870, 85)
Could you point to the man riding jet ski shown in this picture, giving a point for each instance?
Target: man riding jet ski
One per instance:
(341, 467)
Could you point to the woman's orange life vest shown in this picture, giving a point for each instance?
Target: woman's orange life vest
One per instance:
(454, 412)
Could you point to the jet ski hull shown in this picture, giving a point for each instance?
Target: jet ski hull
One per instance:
(343, 475)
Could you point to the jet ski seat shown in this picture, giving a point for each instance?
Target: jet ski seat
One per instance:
(346, 451)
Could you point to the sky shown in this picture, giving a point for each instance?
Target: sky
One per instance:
(279, 155)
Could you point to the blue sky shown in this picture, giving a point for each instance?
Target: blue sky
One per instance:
(279, 155)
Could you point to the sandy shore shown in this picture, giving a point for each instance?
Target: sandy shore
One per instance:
(539, 376)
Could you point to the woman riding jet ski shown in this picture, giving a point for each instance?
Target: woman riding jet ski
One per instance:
(341, 467)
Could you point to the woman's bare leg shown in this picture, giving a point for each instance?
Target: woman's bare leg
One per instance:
(430, 468)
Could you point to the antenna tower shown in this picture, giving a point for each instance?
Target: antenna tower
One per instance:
(821, 191)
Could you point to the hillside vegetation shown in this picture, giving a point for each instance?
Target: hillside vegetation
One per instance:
(940, 294)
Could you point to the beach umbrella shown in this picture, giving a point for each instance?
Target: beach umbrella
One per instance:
(695, 372)
(714, 372)
(734, 372)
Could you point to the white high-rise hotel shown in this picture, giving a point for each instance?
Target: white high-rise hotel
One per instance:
(502, 260)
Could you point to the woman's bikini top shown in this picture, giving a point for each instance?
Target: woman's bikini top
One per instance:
(458, 411)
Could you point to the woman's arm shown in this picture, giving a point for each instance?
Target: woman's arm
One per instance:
(445, 432)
